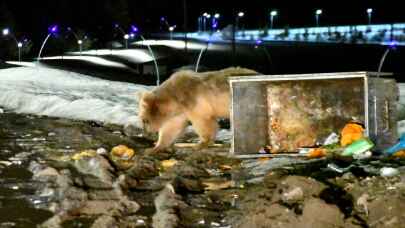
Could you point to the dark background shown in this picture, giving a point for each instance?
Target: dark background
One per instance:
(31, 18)
(95, 18)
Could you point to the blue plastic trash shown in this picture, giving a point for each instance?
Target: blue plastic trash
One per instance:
(397, 147)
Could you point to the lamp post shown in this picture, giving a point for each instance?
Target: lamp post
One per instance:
(171, 29)
(124, 34)
(238, 17)
(52, 30)
(215, 21)
(369, 13)
(318, 13)
(79, 41)
(273, 14)
(204, 21)
(6, 32)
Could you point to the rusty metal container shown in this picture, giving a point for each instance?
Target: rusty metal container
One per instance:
(288, 112)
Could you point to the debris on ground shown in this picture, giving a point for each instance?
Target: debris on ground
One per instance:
(98, 177)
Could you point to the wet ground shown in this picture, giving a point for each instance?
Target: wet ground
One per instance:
(60, 173)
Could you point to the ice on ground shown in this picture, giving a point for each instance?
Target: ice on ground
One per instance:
(58, 93)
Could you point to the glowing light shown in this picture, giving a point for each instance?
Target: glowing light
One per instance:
(393, 44)
(134, 29)
(6, 31)
(217, 15)
(273, 13)
(369, 10)
(126, 36)
(258, 42)
(132, 35)
(19, 44)
(241, 14)
(79, 42)
(318, 12)
(171, 28)
(53, 29)
(208, 16)
(205, 14)
(162, 18)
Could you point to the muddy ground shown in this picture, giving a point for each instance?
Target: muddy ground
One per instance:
(60, 173)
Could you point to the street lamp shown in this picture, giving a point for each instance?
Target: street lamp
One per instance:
(318, 13)
(273, 13)
(79, 41)
(52, 30)
(369, 13)
(126, 37)
(124, 34)
(6, 32)
(204, 21)
(240, 15)
(171, 29)
(214, 21)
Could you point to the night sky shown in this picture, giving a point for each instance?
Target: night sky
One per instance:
(31, 18)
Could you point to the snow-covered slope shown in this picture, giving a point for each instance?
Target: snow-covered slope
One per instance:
(51, 92)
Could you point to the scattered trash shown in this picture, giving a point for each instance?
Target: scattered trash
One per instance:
(350, 133)
(397, 147)
(6, 163)
(364, 155)
(360, 146)
(304, 150)
(234, 198)
(399, 154)
(338, 169)
(362, 202)
(331, 139)
(123, 152)
(218, 185)
(101, 151)
(15, 187)
(167, 164)
(121, 156)
(225, 167)
(293, 196)
(317, 153)
(388, 172)
(84, 153)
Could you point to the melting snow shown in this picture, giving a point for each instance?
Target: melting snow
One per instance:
(52, 92)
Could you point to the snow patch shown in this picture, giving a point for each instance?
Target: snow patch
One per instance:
(58, 93)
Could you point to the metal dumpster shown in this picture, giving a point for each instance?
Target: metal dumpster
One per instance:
(288, 112)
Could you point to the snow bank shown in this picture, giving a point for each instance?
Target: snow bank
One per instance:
(51, 92)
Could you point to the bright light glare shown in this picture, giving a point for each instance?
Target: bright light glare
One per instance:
(79, 42)
(318, 12)
(216, 15)
(126, 36)
(369, 10)
(6, 31)
(273, 13)
(19, 44)
(241, 14)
